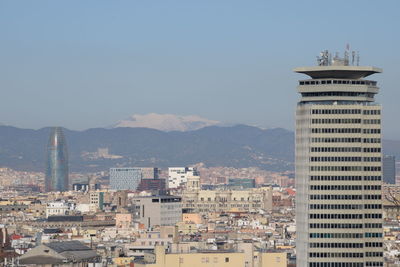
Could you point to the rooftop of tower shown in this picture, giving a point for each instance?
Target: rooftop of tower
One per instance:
(336, 67)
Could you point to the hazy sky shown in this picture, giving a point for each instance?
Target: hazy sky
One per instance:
(83, 64)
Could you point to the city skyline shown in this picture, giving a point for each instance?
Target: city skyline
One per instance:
(226, 61)
(199, 133)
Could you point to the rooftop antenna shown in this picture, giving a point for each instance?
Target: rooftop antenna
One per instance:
(323, 59)
(353, 55)
(346, 55)
(358, 58)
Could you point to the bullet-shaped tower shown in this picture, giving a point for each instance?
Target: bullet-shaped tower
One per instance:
(57, 162)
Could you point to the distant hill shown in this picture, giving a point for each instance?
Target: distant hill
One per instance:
(236, 146)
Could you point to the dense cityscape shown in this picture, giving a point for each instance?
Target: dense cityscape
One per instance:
(221, 216)
(199, 133)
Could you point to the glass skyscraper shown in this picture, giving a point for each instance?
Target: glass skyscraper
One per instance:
(57, 162)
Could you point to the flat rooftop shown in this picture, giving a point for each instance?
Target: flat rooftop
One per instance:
(340, 72)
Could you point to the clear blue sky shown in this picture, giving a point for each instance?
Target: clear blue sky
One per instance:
(83, 64)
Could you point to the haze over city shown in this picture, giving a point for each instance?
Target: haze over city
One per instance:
(199, 133)
(90, 64)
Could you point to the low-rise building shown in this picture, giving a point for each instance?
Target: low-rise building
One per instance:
(158, 210)
(57, 209)
(67, 253)
(205, 201)
(211, 258)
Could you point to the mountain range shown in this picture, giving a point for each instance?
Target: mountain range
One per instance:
(235, 146)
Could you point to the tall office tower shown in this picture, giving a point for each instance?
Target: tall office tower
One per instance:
(125, 178)
(338, 166)
(389, 169)
(57, 162)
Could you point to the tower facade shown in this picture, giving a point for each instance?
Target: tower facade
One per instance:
(57, 162)
(125, 178)
(338, 166)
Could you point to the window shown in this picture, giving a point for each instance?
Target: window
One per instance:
(227, 259)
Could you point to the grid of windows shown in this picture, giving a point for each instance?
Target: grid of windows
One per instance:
(336, 255)
(350, 94)
(374, 244)
(374, 264)
(336, 111)
(335, 140)
(349, 159)
(330, 159)
(372, 131)
(335, 121)
(372, 196)
(372, 149)
(373, 235)
(336, 130)
(336, 264)
(335, 197)
(346, 111)
(372, 206)
(336, 149)
(337, 81)
(373, 225)
(373, 216)
(372, 187)
(335, 216)
(337, 225)
(345, 168)
(335, 206)
(345, 187)
(336, 235)
(372, 121)
(372, 112)
(345, 140)
(372, 178)
(125, 178)
(335, 187)
(336, 245)
(335, 178)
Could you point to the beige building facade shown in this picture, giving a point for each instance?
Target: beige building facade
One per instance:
(211, 259)
(206, 201)
(338, 167)
(158, 210)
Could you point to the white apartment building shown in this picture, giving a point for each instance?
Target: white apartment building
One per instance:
(58, 209)
(178, 176)
(338, 166)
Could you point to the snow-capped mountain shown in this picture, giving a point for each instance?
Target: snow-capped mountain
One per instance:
(166, 122)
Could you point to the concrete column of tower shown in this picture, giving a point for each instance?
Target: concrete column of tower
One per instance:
(338, 168)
